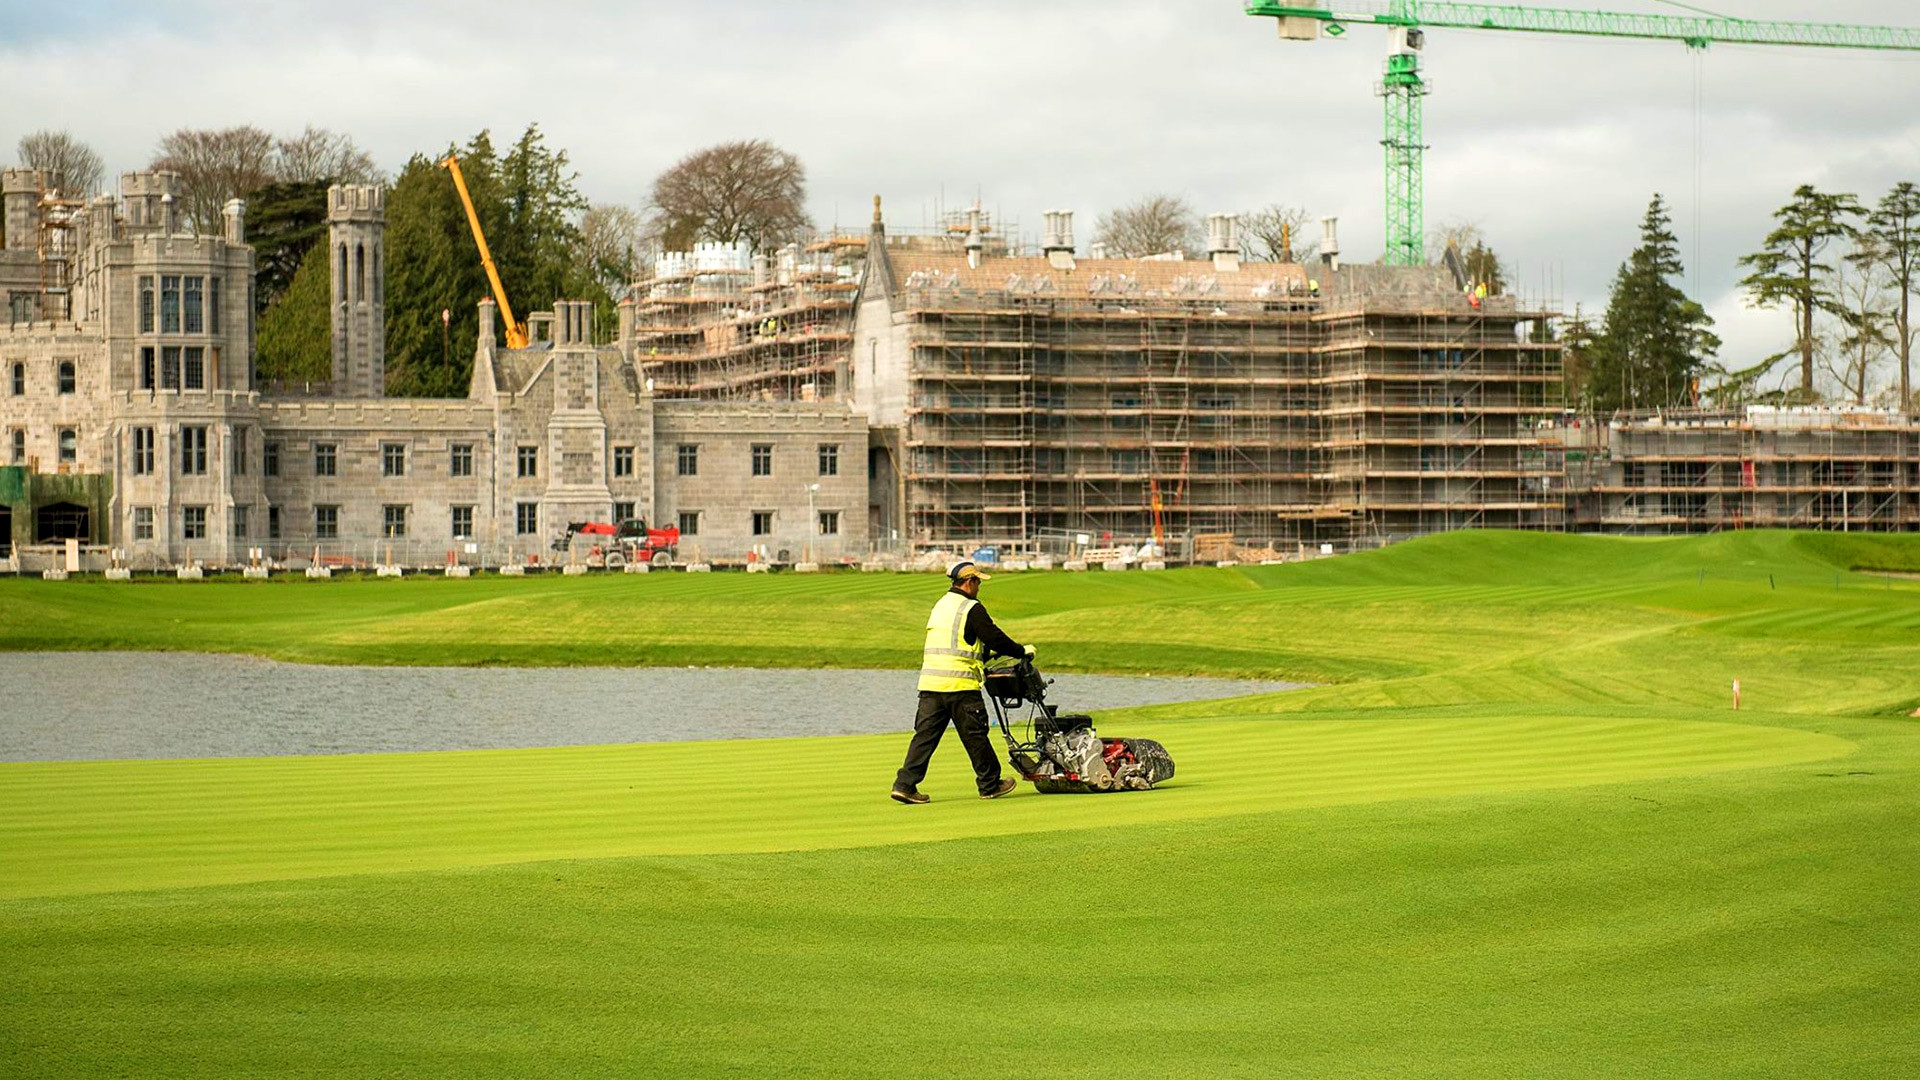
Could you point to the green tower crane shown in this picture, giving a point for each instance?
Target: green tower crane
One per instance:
(1403, 88)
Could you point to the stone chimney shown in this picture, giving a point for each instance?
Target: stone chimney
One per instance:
(626, 319)
(1223, 241)
(1330, 243)
(1057, 243)
(572, 324)
(975, 244)
(480, 385)
(234, 214)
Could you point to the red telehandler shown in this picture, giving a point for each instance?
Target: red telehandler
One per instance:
(630, 541)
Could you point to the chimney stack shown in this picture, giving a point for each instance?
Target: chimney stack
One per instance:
(974, 243)
(1223, 241)
(1058, 242)
(234, 214)
(1330, 243)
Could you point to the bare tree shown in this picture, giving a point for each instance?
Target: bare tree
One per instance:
(611, 240)
(1153, 225)
(1482, 264)
(319, 154)
(1275, 230)
(70, 164)
(752, 191)
(1862, 337)
(215, 166)
(1892, 239)
(1458, 234)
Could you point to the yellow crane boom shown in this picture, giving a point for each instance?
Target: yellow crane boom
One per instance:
(516, 330)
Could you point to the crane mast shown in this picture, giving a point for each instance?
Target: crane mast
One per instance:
(516, 330)
(1404, 89)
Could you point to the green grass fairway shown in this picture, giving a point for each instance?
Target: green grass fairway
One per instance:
(1518, 832)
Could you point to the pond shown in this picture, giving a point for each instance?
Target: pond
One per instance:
(116, 705)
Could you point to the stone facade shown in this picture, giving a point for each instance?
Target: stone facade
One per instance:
(144, 405)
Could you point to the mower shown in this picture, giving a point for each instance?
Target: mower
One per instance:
(1062, 754)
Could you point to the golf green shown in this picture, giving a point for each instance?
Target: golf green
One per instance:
(1518, 832)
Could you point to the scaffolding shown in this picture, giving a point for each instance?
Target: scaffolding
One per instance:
(719, 323)
(1712, 470)
(1257, 410)
(1123, 400)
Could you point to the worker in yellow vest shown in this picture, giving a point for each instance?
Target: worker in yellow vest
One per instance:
(960, 638)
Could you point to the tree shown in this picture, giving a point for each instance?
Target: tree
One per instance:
(1866, 328)
(1892, 240)
(1579, 342)
(1789, 269)
(284, 221)
(1275, 230)
(1481, 263)
(527, 204)
(317, 154)
(752, 191)
(611, 239)
(1150, 226)
(71, 165)
(295, 336)
(215, 166)
(1484, 268)
(432, 266)
(1655, 341)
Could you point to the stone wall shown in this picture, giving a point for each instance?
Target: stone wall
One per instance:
(725, 494)
(427, 435)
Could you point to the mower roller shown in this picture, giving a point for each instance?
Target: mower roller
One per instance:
(1062, 754)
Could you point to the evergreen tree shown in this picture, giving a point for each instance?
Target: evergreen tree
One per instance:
(1790, 268)
(1578, 345)
(295, 341)
(528, 206)
(1654, 340)
(1484, 268)
(284, 222)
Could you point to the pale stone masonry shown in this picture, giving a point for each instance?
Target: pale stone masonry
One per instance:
(132, 418)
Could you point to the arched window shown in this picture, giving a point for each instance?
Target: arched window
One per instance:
(359, 271)
(379, 290)
(66, 376)
(69, 447)
(19, 379)
(340, 292)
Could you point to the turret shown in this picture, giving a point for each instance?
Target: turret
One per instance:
(356, 247)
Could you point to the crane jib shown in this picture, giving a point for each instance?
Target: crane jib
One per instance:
(1693, 30)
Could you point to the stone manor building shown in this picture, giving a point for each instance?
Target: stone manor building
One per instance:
(132, 416)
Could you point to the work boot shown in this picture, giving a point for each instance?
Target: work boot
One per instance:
(1007, 784)
(911, 798)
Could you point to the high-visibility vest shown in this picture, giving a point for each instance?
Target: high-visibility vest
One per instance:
(949, 664)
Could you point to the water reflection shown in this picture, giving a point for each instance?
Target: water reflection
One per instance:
(99, 706)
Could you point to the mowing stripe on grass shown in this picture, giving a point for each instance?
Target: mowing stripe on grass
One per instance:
(106, 826)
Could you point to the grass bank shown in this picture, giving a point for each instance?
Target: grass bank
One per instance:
(1517, 833)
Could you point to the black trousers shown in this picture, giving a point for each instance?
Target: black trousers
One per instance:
(967, 711)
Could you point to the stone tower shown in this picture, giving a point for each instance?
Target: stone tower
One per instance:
(21, 189)
(356, 243)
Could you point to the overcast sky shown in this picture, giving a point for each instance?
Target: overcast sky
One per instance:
(1551, 146)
